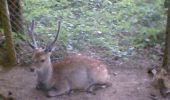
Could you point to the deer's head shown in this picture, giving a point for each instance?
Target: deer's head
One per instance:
(41, 56)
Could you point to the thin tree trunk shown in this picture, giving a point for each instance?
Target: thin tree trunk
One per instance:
(11, 55)
(0, 21)
(166, 60)
(163, 79)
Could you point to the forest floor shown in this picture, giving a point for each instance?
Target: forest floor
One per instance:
(129, 77)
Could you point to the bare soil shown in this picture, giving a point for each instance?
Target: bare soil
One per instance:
(129, 77)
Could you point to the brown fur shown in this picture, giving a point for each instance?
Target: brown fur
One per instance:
(76, 72)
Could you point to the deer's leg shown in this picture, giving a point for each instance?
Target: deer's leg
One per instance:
(44, 86)
(40, 86)
(62, 89)
(97, 86)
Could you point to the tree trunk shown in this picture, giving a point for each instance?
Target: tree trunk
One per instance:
(164, 73)
(0, 21)
(11, 55)
(166, 60)
(16, 19)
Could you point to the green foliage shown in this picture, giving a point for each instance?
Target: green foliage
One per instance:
(1, 30)
(98, 22)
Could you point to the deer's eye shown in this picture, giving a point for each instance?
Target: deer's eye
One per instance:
(42, 60)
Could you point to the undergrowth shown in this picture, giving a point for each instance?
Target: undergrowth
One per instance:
(117, 25)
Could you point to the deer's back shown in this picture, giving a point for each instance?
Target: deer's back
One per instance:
(77, 67)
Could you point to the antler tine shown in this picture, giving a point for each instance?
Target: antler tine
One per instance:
(49, 47)
(58, 31)
(31, 35)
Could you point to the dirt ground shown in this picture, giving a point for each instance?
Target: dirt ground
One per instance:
(129, 78)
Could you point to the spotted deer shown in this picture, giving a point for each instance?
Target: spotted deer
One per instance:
(75, 72)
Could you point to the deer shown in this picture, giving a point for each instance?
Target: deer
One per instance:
(74, 72)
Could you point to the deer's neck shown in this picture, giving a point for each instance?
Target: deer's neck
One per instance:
(45, 72)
